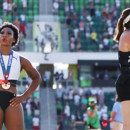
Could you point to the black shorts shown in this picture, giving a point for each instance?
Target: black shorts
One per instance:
(123, 87)
(5, 97)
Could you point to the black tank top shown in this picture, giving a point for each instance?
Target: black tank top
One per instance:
(124, 61)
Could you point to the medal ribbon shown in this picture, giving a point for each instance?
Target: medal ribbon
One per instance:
(6, 71)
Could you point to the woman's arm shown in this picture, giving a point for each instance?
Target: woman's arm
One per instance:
(36, 79)
(33, 74)
(112, 115)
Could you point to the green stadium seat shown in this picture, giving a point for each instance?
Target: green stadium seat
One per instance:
(35, 6)
(20, 4)
(4, 17)
(30, 2)
(66, 2)
(35, 12)
(30, 19)
(9, 18)
(35, 2)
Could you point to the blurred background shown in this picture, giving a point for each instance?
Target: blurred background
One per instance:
(70, 42)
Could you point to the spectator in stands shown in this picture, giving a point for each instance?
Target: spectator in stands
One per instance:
(88, 93)
(5, 7)
(86, 9)
(48, 76)
(71, 7)
(67, 110)
(94, 92)
(112, 44)
(85, 117)
(56, 76)
(70, 74)
(1, 21)
(76, 32)
(16, 22)
(15, 8)
(11, 108)
(106, 44)
(44, 80)
(117, 2)
(72, 119)
(81, 25)
(61, 123)
(78, 116)
(76, 99)
(98, 14)
(122, 36)
(104, 12)
(92, 9)
(59, 94)
(36, 107)
(24, 3)
(93, 118)
(35, 121)
(9, 6)
(28, 107)
(74, 19)
(104, 110)
(67, 9)
(110, 31)
(59, 108)
(68, 20)
(88, 35)
(55, 7)
(94, 37)
(70, 95)
(106, 75)
(89, 18)
(100, 96)
(61, 76)
(22, 41)
(23, 18)
(84, 101)
(65, 93)
(23, 28)
(72, 46)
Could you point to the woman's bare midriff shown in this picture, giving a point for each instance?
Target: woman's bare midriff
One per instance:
(12, 89)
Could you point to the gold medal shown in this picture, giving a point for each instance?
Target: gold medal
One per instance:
(6, 86)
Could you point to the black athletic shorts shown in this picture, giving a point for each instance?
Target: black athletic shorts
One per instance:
(5, 97)
(123, 87)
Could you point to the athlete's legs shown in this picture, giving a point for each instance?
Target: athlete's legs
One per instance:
(125, 106)
(1, 118)
(14, 119)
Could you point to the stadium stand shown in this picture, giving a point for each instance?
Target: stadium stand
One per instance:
(72, 104)
(86, 22)
(17, 7)
(87, 29)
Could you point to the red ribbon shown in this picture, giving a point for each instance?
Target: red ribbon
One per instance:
(3, 81)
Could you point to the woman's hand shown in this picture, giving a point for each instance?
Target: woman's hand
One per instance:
(16, 101)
